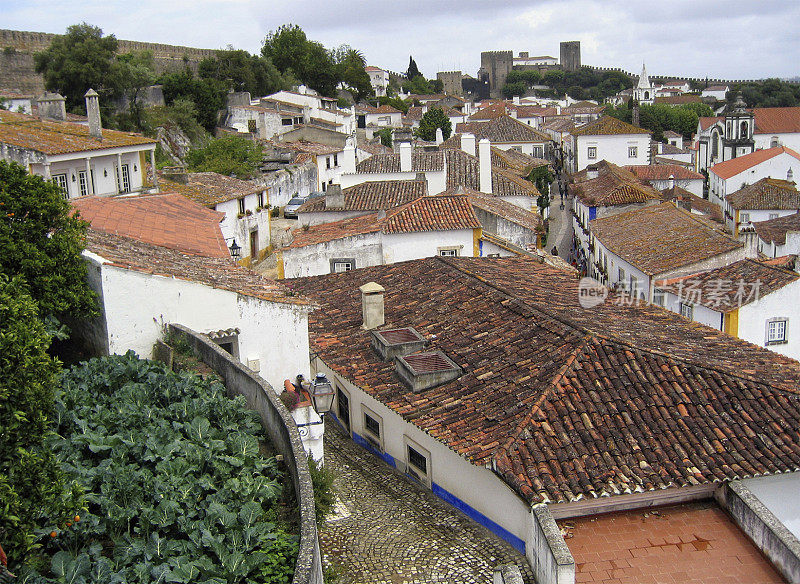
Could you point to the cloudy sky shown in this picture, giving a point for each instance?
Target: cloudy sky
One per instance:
(714, 38)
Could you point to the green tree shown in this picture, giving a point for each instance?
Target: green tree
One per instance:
(418, 85)
(385, 134)
(42, 242)
(309, 61)
(434, 118)
(229, 155)
(413, 70)
(240, 71)
(351, 64)
(207, 95)
(80, 59)
(395, 102)
(34, 494)
(135, 72)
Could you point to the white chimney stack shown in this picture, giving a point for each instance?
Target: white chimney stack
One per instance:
(405, 157)
(485, 165)
(671, 181)
(349, 158)
(93, 113)
(468, 143)
(439, 136)
(515, 100)
(372, 305)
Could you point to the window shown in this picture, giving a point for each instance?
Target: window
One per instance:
(634, 285)
(773, 215)
(744, 217)
(372, 429)
(450, 252)
(261, 199)
(339, 265)
(286, 121)
(335, 160)
(658, 297)
(591, 152)
(621, 276)
(776, 331)
(537, 151)
(125, 184)
(372, 425)
(687, 310)
(251, 126)
(60, 180)
(327, 162)
(241, 205)
(774, 143)
(633, 151)
(84, 184)
(343, 408)
(418, 462)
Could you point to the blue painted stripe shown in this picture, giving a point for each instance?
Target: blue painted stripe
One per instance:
(361, 441)
(476, 515)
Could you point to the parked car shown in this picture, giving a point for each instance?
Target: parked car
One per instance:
(290, 210)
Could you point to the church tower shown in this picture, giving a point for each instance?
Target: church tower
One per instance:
(739, 129)
(644, 92)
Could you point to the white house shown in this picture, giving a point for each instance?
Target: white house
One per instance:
(159, 259)
(81, 159)
(612, 140)
(780, 236)
(316, 107)
(17, 102)
(768, 198)
(730, 176)
(718, 92)
(583, 112)
(632, 250)
(379, 79)
(406, 164)
(486, 381)
(747, 299)
(245, 205)
(428, 226)
(385, 116)
(329, 159)
(665, 176)
(506, 133)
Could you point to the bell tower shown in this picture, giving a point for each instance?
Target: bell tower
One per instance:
(644, 90)
(739, 128)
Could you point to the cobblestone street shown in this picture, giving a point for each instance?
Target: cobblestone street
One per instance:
(385, 529)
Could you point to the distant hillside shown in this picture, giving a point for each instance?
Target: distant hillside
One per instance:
(17, 73)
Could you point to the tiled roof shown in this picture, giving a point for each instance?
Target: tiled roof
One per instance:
(663, 172)
(613, 186)
(698, 204)
(420, 162)
(777, 120)
(509, 211)
(216, 272)
(170, 221)
(51, 137)
(787, 262)
(414, 113)
(370, 109)
(434, 213)
(729, 168)
(209, 188)
(534, 111)
(559, 124)
(717, 88)
(660, 238)
(315, 148)
(372, 68)
(606, 126)
(463, 171)
(671, 134)
(583, 107)
(775, 230)
(766, 194)
(729, 287)
(502, 129)
(565, 403)
(666, 149)
(707, 122)
(491, 112)
(517, 162)
(372, 196)
(374, 148)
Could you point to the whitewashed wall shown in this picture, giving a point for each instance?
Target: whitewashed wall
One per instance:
(239, 228)
(775, 167)
(700, 313)
(613, 149)
(399, 247)
(314, 260)
(286, 183)
(783, 303)
(103, 169)
(788, 139)
(321, 217)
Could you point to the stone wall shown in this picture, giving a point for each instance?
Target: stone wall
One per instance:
(451, 82)
(17, 71)
(282, 431)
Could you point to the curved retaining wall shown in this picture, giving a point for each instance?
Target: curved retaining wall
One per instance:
(282, 431)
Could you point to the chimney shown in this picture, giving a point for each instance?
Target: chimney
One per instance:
(306, 114)
(349, 158)
(51, 106)
(515, 100)
(334, 198)
(591, 172)
(405, 157)
(485, 165)
(790, 175)
(372, 305)
(671, 181)
(558, 110)
(93, 113)
(468, 143)
(439, 136)
(660, 147)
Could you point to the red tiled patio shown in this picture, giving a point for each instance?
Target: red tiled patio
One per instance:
(694, 542)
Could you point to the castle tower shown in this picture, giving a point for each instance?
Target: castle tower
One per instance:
(644, 91)
(570, 55)
(739, 126)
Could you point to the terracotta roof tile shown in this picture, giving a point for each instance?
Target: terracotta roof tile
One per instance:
(506, 210)
(606, 126)
(310, 147)
(372, 196)
(721, 289)
(766, 194)
(565, 403)
(502, 129)
(217, 272)
(698, 204)
(420, 162)
(560, 124)
(707, 122)
(661, 238)
(775, 230)
(613, 185)
(463, 171)
(51, 137)
(777, 120)
(663, 172)
(171, 221)
(729, 168)
(209, 188)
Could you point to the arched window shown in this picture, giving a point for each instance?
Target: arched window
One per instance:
(714, 145)
(647, 95)
(743, 130)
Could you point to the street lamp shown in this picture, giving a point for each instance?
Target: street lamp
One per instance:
(235, 249)
(322, 394)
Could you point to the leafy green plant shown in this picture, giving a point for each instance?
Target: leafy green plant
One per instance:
(177, 489)
(324, 496)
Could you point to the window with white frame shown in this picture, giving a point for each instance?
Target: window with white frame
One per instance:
(658, 297)
(744, 217)
(241, 205)
(418, 462)
(60, 180)
(687, 310)
(773, 215)
(633, 151)
(591, 152)
(621, 277)
(776, 331)
(83, 183)
(339, 265)
(451, 252)
(372, 428)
